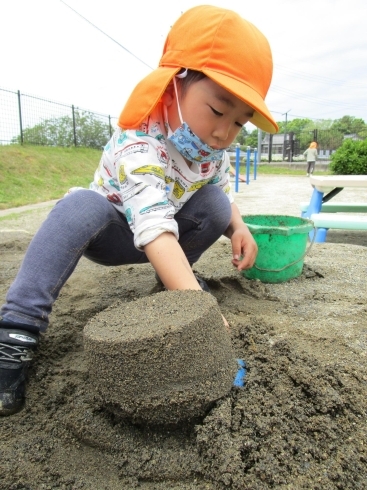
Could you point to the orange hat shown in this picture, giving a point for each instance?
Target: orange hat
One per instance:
(226, 48)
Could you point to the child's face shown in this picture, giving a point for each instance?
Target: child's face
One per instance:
(211, 112)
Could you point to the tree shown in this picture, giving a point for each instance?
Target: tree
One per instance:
(241, 137)
(295, 126)
(322, 124)
(350, 125)
(245, 139)
(89, 131)
(251, 139)
(330, 139)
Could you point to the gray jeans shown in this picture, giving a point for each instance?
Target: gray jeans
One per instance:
(310, 167)
(85, 223)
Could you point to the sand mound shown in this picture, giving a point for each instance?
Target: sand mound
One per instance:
(160, 359)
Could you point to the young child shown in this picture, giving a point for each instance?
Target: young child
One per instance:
(161, 193)
(311, 157)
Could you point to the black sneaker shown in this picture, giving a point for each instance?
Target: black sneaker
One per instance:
(204, 286)
(16, 348)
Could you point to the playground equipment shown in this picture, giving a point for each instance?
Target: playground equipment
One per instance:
(248, 164)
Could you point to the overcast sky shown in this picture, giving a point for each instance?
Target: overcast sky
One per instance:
(319, 51)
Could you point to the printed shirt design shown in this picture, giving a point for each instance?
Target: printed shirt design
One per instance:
(146, 179)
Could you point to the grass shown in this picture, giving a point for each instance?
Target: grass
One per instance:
(278, 169)
(272, 170)
(32, 174)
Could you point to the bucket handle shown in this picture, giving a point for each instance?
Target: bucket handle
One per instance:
(295, 261)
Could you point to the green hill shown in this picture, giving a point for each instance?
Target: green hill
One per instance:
(32, 174)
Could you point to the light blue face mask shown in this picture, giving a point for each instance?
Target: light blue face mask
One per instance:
(189, 144)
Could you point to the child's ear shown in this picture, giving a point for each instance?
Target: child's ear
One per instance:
(168, 95)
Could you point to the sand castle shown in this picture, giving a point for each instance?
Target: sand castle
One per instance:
(161, 359)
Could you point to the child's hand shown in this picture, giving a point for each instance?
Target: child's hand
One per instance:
(244, 249)
(226, 324)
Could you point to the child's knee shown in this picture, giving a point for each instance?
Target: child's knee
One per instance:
(218, 205)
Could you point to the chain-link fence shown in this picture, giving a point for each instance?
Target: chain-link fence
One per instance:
(26, 119)
(290, 146)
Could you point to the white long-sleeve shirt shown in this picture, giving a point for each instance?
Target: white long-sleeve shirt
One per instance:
(145, 178)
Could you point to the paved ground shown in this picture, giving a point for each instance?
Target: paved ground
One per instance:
(278, 194)
(29, 207)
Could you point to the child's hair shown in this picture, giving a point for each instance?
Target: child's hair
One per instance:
(313, 144)
(216, 43)
(191, 77)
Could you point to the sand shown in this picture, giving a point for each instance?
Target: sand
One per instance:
(300, 420)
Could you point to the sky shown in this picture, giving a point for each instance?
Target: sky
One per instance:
(47, 50)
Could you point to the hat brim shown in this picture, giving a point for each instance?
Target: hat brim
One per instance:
(150, 90)
(262, 117)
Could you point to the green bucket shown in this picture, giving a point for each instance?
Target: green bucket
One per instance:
(282, 242)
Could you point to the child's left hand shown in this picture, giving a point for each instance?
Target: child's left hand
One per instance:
(244, 248)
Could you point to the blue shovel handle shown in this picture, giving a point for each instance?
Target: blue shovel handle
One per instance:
(239, 380)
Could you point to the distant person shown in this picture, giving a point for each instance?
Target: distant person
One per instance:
(161, 193)
(311, 157)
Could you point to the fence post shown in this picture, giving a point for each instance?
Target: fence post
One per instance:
(270, 148)
(109, 123)
(291, 146)
(20, 118)
(259, 143)
(74, 125)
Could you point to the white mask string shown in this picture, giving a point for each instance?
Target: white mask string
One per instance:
(178, 104)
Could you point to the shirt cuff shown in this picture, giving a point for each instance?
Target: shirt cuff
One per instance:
(151, 234)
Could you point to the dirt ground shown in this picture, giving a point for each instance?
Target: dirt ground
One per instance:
(298, 423)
